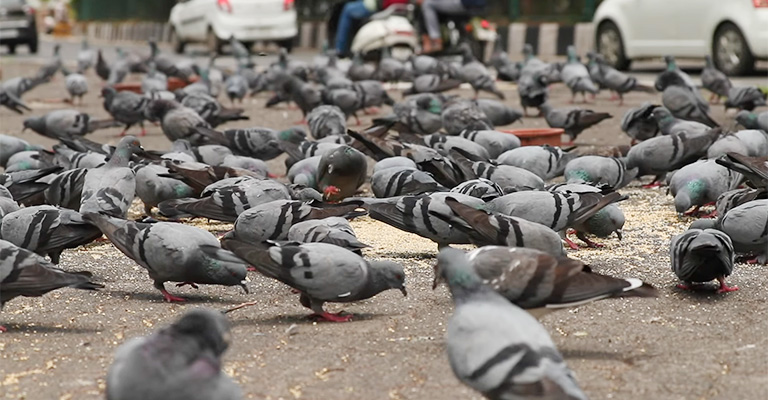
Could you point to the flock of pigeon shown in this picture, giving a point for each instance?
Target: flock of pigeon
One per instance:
(441, 171)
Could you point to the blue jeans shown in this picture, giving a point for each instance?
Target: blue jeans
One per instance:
(352, 10)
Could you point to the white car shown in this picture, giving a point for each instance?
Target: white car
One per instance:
(214, 22)
(733, 32)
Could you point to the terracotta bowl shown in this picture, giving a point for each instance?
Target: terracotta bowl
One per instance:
(538, 137)
(173, 84)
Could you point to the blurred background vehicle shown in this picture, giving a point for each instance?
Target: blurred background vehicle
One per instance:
(733, 32)
(18, 25)
(214, 21)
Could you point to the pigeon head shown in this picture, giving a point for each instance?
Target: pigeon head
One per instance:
(606, 221)
(662, 116)
(388, 275)
(746, 119)
(37, 124)
(156, 109)
(671, 64)
(208, 327)
(108, 92)
(453, 267)
(692, 193)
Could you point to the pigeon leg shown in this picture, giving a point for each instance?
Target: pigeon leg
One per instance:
(712, 214)
(3, 329)
(193, 284)
(613, 95)
(371, 110)
(525, 111)
(712, 98)
(143, 130)
(621, 99)
(251, 268)
(586, 240)
(653, 184)
(724, 288)
(357, 119)
(302, 121)
(685, 286)
(573, 98)
(123, 133)
(329, 317)
(171, 298)
(571, 244)
(694, 211)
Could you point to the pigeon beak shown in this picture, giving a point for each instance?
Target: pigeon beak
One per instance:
(403, 291)
(619, 233)
(244, 286)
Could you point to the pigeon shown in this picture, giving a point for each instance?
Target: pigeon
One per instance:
(119, 70)
(413, 214)
(751, 120)
(347, 100)
(173, 252)
(126, 107)
(476, 74)
(50, 68)
(180, 361)
(497, 112)
(154, 80)
(609, 171)
(400, 181)
(179, 122)
(372, 94)
(258, 167)
(754, 169)
(72, 159)
(326, 121)
(226, 199)
(85, 57)
(389, 69)
(685, 103)
(61, 124)
(727, 144)
(541, 283)
(76, 85)
(359, 70)
(7, 203)
(700, 256)
(424, 64)
(532, 90)
(256, 142)
(331, 230)
(608, 220)
(12, 102)
(669, 125)
(419, 114)
(110, 189)
(673, 72)
(576, 76)
(431, 83)
(481, 188)
(10, 145)
(745, 98)
(639, 123)
(271, 221)
(572, 120)
(341, 172)
(47, 230)
(508, 177)
(494, 142)
(24, 273)
(211, 110)
(322, 272)
(102, 69)
(486, 228)
(444, 144)
(745, 225)
(620, 82)
(545, 161)
(304, 172)
(661, 154)
(25, 184)
(496, 347)
(734, 198)
(155, 184)
(26, 160)
(714, 80)
(306, 96)
(460, 114)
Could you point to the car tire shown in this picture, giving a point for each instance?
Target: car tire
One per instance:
(32, 45)
(730, 51)
(176, 42)
(213, 43)
(610, 44)
(11, 49)
(287, 44)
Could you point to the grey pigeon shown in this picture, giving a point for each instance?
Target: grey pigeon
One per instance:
(348, 101)
(418, 114)
(326, 121)
(673, 72)
(669, 125)
(305, 95)
(126, 107)
(476, 74)
(399, 181)
(173, 252)
(12, 102)
(727, 144)
(508, 177)
(119, 70)
(610, 171)
(751, 120)
(85, 57)
(212, 154)
(10, 145)
(179, 361)
(110, 189)
(271, 221)
(541, 283)
(745, 98)
(413, 214)
(359, 70)
(341, 172)
(481, 188)
(76, 85)
(545, 161)
(460, 114)
(16, 87)
(304, 172)
(701, 256)
(394, 162)
(754, 169)
(211, 110)
(620, 82)
(179, 122)
(734, 198)
(66, 189)
(24, 273)
(25, 184)
(572, 120)
(155, 184)
(47, 230)
(497, 112)
(494, 142)
(685, 103)
(486, 228)
(7, 203)
(444, 144)
(608, 220)
(431, 83)
(372, 93)
(236, 87)
(102, 68)
(389, 69)
(59, 123)
(154, 80)
(424, 64)
(254, 165)
(576, 76)
(745, 225)
(50, 68)
(714, 80)
(257, 142)
(332, 230)
(496, 347)
(659, 155)
(322, 272)
(639, 123)
(24, 161)
(226, 199)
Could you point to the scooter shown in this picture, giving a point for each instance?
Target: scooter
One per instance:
(390, 28)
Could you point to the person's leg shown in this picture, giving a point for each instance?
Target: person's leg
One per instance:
(352, 10)
(429, 11)
(450, 7)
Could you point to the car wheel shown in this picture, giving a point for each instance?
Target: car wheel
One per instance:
(32, 46)
(11, 49)
(176, 42)
(213, 42)
(730, 51)
(287, 44)
(611, 46)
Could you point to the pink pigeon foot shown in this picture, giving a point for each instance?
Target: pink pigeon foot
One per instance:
(329, 317)
(171, 298)
(571, 244)
(651, 185)
(3, 329)
(724, 288)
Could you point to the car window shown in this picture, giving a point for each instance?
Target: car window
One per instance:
(12, 3)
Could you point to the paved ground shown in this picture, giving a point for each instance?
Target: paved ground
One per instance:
(679, 346)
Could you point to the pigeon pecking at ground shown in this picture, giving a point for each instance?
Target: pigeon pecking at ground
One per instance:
(701, 256)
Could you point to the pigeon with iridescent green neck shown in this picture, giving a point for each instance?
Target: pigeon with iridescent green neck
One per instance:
(110, 189)
(610, 171)
(155, 183)
(750, 120)
(10, 145)
(673, 70)
(326, 121)
(545, 161)
(608, 220)
(257, 142)
(714, 80)
(669, 125)
(419, 114)
(576, 76)
(701, 183)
